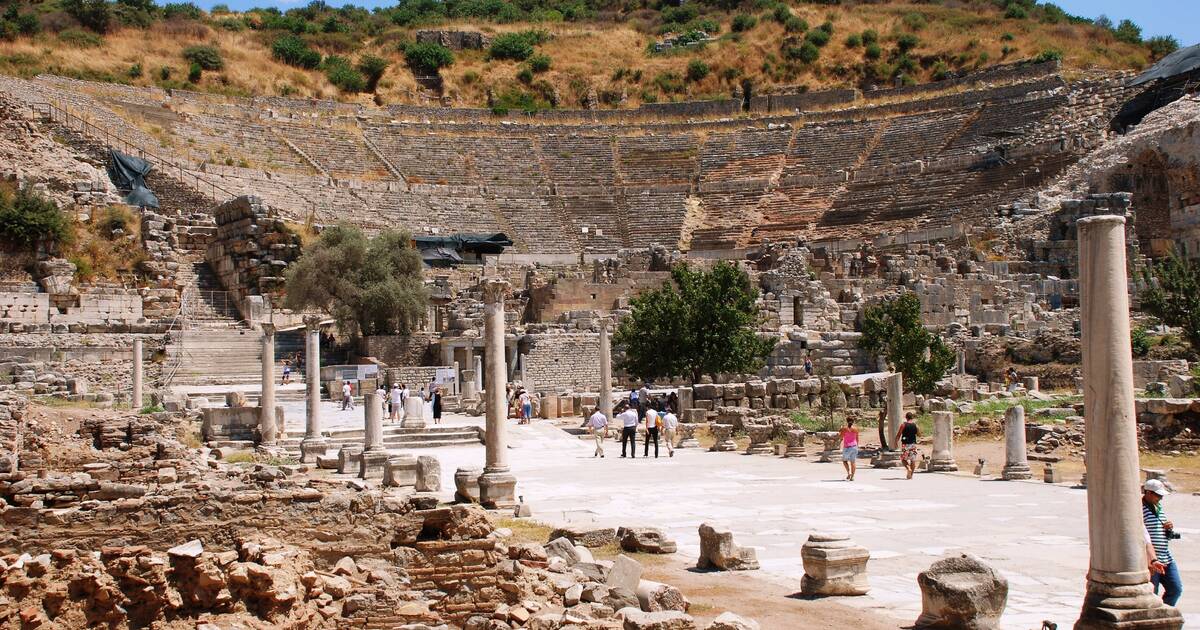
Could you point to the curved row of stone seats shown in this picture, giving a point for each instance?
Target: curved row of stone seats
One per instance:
(340, 152)
(743, 155)
(654, 215)
(220, 140)
(649, 160)
(829, 147)
(910, 138)
(579, 162)
(1009, 122)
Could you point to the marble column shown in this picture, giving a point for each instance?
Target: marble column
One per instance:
(136, 399)
(895, 405)
(606, 401)
(1118, 594)
(313, 443)
(478, 373)
(942, 458)
(374, 457)
(266, 400)
(497, 485)
(1016, 461)
(468, 386)
(457, 380)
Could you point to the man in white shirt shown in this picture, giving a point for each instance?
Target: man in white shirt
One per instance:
(397, 401)
(629, 425)
(652, 427)
(598, 423)
(670, 422)
(347, 396)
(381, 398)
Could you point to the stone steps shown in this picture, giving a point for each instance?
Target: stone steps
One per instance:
(395, 437)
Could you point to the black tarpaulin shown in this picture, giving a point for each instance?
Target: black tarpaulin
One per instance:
(477, 243)
(128, 174)
(1179, 62)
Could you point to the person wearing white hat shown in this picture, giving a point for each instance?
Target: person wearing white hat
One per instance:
(1164, 571)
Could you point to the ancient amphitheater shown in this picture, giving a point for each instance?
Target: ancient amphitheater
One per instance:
(158, 469)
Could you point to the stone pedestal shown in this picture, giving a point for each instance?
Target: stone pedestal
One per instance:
(1118, 593)
(466, 484)
(687, 433)
(760, 439)
(887, 459)
(372, 423)
(468, 386)
(1050, 474)
(961, 593)
(348, 457)
(942, 458)
(1016, 461)
(135, 400)
(723, 436)
(833, 565)
(497, 486)
(795, 443)
(400, 470)
(1030, 383)
(266, 402)
(371, 464)
(831, 446)
(414, 413)
(719, 552)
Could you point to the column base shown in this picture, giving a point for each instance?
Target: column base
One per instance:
(762, 448)
(942, 465)
(887, 459)
(1126, 606)
(794, 452)
(311, 447)
(414, 423)
(1013, 472)
(271, 450)
(722, 447)
(689, 443)
(497, 490)
(372, 464)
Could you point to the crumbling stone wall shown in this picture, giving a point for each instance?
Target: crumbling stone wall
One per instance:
(563, 360)
(251, 248)
(415, 349)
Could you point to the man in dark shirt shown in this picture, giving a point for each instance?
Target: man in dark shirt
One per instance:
(906, 437)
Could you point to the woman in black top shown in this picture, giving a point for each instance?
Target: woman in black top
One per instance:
(907, 438)
(437, 406)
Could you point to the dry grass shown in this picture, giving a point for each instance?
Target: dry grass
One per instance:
(526, 530)
(585, 55)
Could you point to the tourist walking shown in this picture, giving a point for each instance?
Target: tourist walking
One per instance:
(643, 398)
(381, 398)
(653, 428)
(598, 424)
(437, 405)
(397, 397)
(670, 422)
(808, 366)
(907, 438)
(347, 396)
(287, 372)
(526, 407)
(629, 425)
(1164, 571)
(849, 448)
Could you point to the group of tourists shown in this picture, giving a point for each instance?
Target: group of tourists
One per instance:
(654, 422)
(906, 436)
(392, 402)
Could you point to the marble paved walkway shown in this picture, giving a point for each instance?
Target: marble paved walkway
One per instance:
(1034, 533)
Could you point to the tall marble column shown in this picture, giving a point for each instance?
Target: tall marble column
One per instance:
(313, 443)
(1118, 594)
(497, 486)
(266, 401)
(1016, 461)
(942, 458)
(478, 373)
(136, 399)
(606, 402)
(457, 380)
(895, 405)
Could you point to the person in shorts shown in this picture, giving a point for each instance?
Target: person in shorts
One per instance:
(849, 448)
(906, 437)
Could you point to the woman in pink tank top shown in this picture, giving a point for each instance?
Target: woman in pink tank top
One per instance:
(850, 448)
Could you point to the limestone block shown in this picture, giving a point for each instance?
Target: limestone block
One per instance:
(625, 573)
(563, 548)
(348, 457)
(429, 474)
(760, 439)
(374, 464)
(730, 621)
(718, 551)
(687, 433)
(635, 619)
(961, 593)
(656, 596)
(400, 470)
(723, 436)
(705, 391)
(466, 484)
(588, 536)
(833, 565)
(645, 540)
(795, 443)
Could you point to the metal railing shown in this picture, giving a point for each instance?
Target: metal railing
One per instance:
(211, 304)
(65, 117)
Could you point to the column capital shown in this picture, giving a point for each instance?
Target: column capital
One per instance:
(268, 329)
(312, 321)
(495, 290)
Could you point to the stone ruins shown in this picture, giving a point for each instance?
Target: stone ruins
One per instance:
(176, 450)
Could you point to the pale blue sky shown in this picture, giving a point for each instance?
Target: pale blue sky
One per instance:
(1180, 18)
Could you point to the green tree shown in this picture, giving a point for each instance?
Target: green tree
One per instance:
(893, 329)
(1128, 32)
(372, 68)
(205, 56)
(1172, 294)
(93, 14)
(27, 219)
(427, 58)
(1162, 45)
(371, 286)
(703, 322)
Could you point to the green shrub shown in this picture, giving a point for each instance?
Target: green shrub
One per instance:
(806, 52)
(525, 75)
(914, 21)
(795, 24)
(372, 69)
(940, 71)
(27, 219)
(135, 71)
(1140, 341)
(207, 57)
(817, 37)
(164, 73)
(708, 25)
(697, 70)
(873, 51)
(539, 63)
(470, 77)
(853, 40)
(232, 24)
(782, 13)
(668, 82)
(182, 11)
(743, 22)
(80, 39)
(295, 52)
(92, 14)
(516, 46)
(906, 64)
(907, 42)
(1162, 45)
(1015, 11)
(1049, 54)
(870, 36)
(427, 58)
(194, 73)
(343, 75)
(1128, 32)
(1007, 37)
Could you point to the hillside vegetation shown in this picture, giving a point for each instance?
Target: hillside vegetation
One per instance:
(552, 53)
